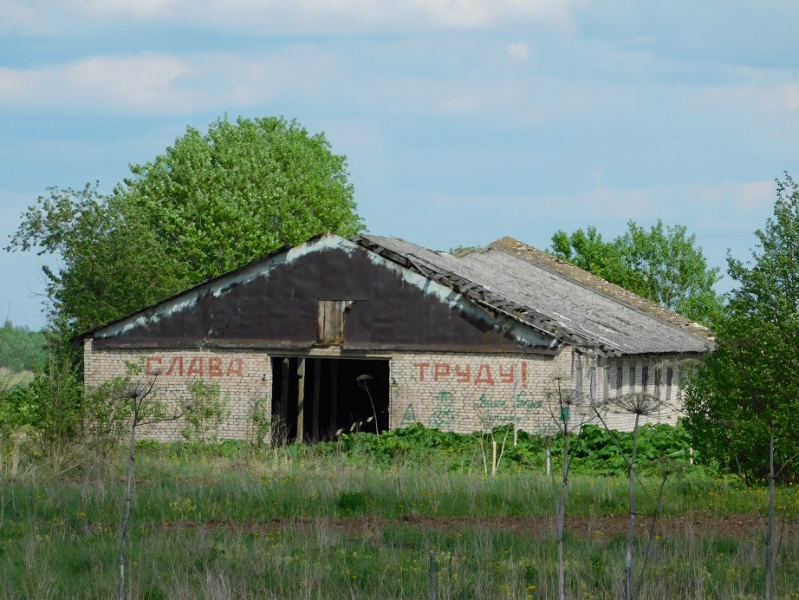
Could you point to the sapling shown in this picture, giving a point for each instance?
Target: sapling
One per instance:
(565, 400)
(210, 411)
(145, 409)
(639, 405)
(772, 481)
(764, 401)
(497, 451)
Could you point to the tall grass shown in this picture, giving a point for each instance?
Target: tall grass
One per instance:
(315, 559)
(295, 523)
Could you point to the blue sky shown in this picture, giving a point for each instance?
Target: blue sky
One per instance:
(463, 120)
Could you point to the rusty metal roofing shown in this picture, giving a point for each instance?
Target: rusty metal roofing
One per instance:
(506, 279)
(559, 299)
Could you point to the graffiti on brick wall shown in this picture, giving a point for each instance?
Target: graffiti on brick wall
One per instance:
(491, 411)
(202, 366)
(444, 415)
(483, 374)
(519, 402)
(409, 418)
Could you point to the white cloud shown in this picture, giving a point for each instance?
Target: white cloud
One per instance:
(688, 203)
(771, 96)
(279, 16)
(520, 51)
(159, 83)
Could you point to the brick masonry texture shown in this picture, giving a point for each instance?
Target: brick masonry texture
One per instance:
(467, 392)
(243, 376)
(459, 392)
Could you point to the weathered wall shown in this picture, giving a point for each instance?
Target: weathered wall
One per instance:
(452, 391)
(275, 303)
(608, 379)
(466, 392)
(242, 376)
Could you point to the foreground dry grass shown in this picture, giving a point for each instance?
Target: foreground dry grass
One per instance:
(277, 525)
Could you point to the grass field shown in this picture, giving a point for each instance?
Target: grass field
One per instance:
(298, 524)
(9, 379)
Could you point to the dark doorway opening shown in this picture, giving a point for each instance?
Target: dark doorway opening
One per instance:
(314, 398)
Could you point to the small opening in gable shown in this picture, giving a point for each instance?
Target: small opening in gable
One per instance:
(330, 322)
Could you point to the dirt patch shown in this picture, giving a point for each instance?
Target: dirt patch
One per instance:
(739, 526)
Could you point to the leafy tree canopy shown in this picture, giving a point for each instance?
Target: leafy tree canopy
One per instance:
(210, 203)
(753, 375)
(20, 348)
(662, 264)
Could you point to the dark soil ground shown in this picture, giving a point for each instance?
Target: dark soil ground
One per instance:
(738, 526)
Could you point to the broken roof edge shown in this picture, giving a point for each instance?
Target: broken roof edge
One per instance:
(486, 298)
(595, 283)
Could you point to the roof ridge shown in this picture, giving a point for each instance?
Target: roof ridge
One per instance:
(585, 278)
(482, 295)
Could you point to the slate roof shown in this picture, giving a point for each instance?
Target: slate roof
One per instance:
(552, 295)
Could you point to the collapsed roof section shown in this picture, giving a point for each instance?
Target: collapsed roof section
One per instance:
(553, 296)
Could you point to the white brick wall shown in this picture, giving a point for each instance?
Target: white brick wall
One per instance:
(242, 376)
(458, 392)
(466, 392)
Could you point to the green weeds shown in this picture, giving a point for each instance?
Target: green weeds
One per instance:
(231, 521)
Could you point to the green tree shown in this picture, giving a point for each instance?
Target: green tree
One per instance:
(20, 348)
(209, 204)
(241, 190)
(110, 262)
(662, 264)
(752, 378)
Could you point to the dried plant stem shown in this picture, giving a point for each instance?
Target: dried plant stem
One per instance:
(561, 516)
(430, 553)
(628, 557)
(126, 514)
(770, 518)
(658, 506)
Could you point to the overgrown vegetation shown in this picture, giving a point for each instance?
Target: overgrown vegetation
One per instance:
(230, 520)
(21, 349)
(595, 454)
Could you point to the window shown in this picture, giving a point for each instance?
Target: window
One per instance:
(632, 379)
(330, 324)
(644, 379)
(669, 381)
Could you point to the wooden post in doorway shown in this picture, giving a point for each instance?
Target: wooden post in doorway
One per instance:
(317, 382)
(300, 401)
(284, 398)
(334, 395)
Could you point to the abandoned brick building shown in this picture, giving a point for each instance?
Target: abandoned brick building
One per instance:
(462, 343)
